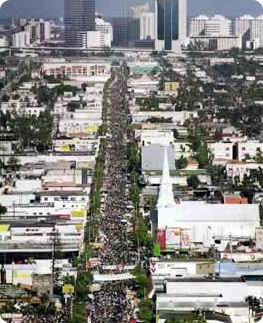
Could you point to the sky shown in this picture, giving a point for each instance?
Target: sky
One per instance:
(2, 1)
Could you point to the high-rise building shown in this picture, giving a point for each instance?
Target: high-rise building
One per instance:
(197, 25)
(40, 30)
(256, 32)
(171, 24)
(21, 39)
(242, 27)
(147, 27)
(137, 11)
(126, 31)
(250, 29)
(106, 31)
(79, 17)
(210, 26)
(218, 26)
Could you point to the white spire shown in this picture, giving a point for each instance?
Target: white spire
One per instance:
(166, 197)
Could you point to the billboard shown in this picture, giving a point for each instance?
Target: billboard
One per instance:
(173, 237)
(186, 238)
(161, 238)
(81, 213)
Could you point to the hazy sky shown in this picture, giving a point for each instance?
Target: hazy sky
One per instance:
(2, 1)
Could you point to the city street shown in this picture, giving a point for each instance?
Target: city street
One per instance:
(110, 304)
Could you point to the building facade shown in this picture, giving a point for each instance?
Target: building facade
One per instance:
(171, 24)
(218, 26)
(256, 31)
(79, 17)
(210, 26)
(242, 27)
(126, 30)
(147, 27)
(21, 39)
(106, 32)
(197, 25)
(215, 43)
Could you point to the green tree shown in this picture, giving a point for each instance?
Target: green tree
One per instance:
(3, 209)
(145, 312)
(193, 181)
(83, 283)
(181, 163)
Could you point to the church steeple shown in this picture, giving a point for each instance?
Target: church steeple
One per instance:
(166, 197)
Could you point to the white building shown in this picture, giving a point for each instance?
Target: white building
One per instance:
(93, 39)
(227, 297)
(242, 27)
(137, 11)
(197, 25)
(240, 169)
(250, 29)
(40, 30)
(3, 41)
(78, 70)
(147, 27)
(199, 223)
(162, 270)
(209, 26)
(21, 39)
(161, 137)
(217, 42)
(217, 26)
(256, 31)
(106, 32)
(249, 149)
(221, 150)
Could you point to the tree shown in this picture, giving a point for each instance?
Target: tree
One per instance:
(141, 231)
(13, 163)
(193, 181)
(3, 209)
(33, 131)
(83, 283)
(181, 163)
(202, 155)
(145, 312)
(142, 280)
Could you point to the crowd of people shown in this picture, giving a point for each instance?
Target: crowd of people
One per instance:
(110, 304)
(57, 318)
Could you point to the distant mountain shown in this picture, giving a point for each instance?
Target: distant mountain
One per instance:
(54, 8)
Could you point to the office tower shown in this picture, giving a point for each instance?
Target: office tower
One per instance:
(171, 24)
(79, 17)
(147, 27)
(126, 31)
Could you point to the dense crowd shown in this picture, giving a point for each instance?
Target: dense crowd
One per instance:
(57, 318)
(110, 304)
